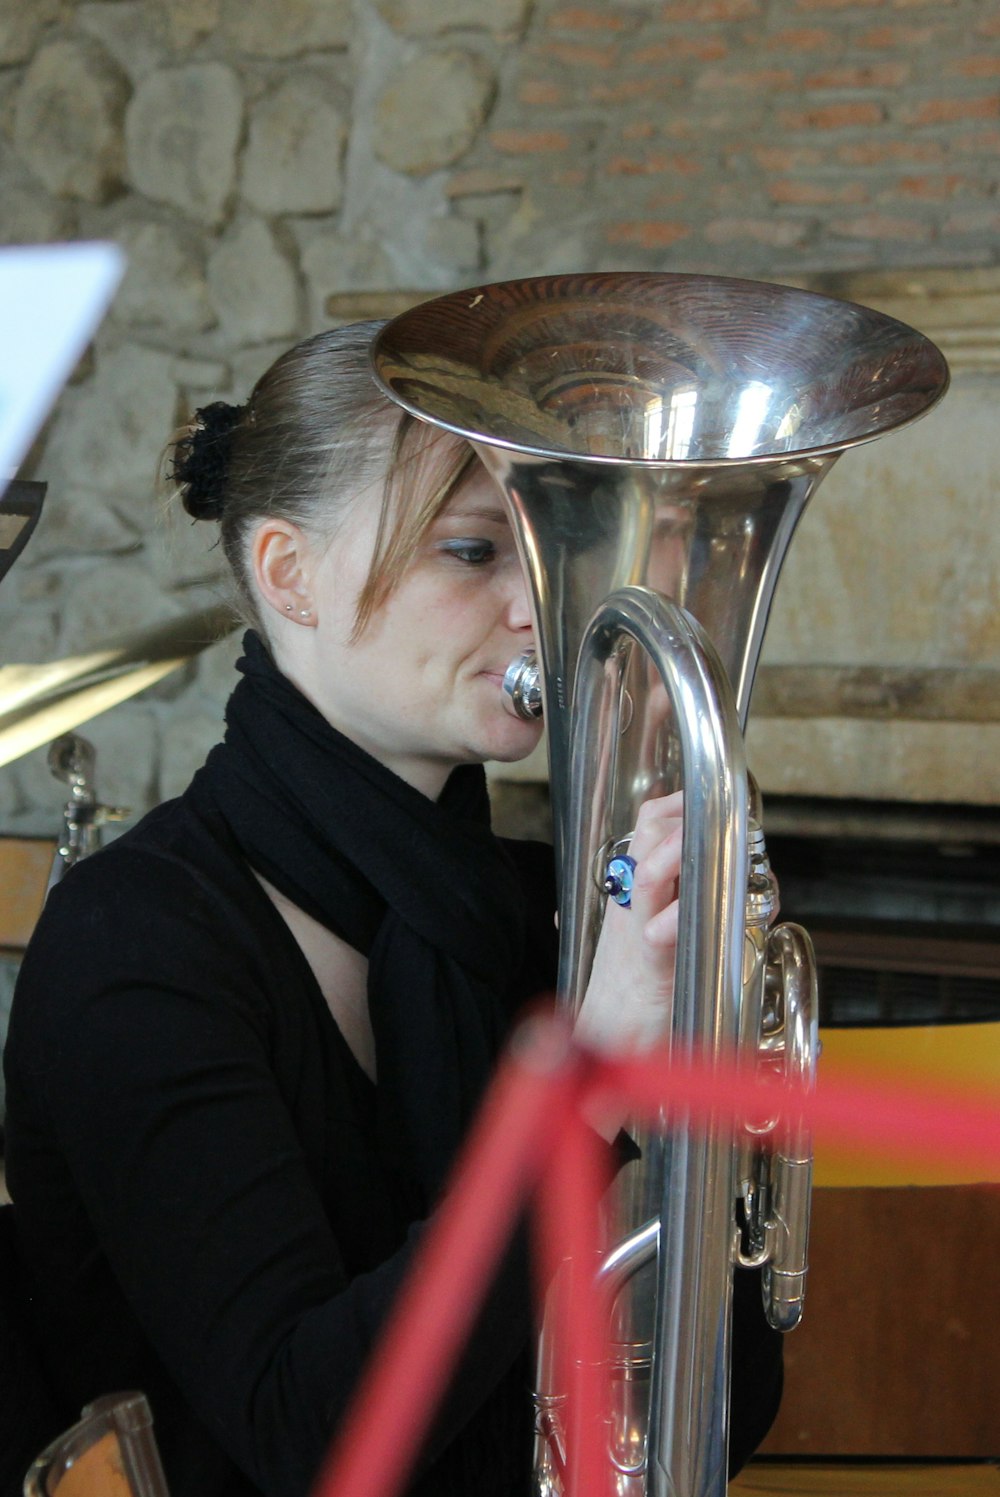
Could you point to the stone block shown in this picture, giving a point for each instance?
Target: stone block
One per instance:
(164, 284)
(128, 30)
(28, 638)
(22, 24)
(286, 28)
(110, 432)
(432, 110)
(201, 375)
(76, 522)
(294, 149)
(456, 243)
(30, 217)
(116, 598)
(217, 668)
(332, 263)
(187, 739)
(183, 552)
(186, 22)
(893, 562)
(68, 120)
(182, 130)
(417, 18)
(248, 364)
(253, 285)
(949, 763)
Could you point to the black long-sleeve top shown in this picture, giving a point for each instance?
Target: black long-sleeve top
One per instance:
(196, 1177)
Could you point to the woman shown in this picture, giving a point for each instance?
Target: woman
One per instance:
(248, 1037)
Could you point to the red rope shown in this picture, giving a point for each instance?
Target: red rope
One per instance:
(456, 1260)
(531, 1126)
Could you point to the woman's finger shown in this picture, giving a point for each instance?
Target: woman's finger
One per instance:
(660, 931)
(656, 872)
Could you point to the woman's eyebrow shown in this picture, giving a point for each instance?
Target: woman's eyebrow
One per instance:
(492, 513)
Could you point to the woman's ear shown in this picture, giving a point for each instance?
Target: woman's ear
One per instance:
(282, 564)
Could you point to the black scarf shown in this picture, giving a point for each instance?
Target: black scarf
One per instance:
(423, 888)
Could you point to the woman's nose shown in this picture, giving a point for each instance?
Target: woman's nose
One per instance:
(519, 605)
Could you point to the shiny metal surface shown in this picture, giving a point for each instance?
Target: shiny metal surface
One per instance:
(40, 702)
(656, 438)
(688, 1394)
(522, 687)
(657, 429)
(73, 760)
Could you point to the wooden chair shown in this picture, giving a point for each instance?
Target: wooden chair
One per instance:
(111, 1452)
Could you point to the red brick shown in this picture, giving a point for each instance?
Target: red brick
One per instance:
(895, 38)
(580, 18)
(779, 233)
(660, 164)
(880, 226)
(540, 91)
(931, 188)
(680, 49)
(638, 130)
(871, 75)
(575, 55)
(658, 201)
(977, 67)
(813, 5)
(882, 152)
(529, 142)
(803, 194)
(800, 39)
(948, 111)
(751, 79)
(832, 116)
(711, 10)
(786, 158)
(977, 143)
(651, 234)
(626, 90)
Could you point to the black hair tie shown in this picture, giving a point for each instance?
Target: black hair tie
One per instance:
(202, 457)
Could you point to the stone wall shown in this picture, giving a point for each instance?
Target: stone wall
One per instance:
(263, 163)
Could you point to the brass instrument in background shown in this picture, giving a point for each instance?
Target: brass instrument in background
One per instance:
(656, 438)
(42, 703)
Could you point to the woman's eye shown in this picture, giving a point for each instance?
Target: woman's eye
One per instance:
(472, 552)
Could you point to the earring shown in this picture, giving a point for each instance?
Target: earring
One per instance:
(288, 607)
(304, 613)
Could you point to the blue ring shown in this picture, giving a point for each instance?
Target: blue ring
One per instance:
(618, 878)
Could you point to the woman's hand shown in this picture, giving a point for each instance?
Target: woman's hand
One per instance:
(629, 997)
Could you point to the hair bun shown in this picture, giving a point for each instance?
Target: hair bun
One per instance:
(201, 458)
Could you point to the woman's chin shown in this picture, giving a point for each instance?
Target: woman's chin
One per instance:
(517, 744)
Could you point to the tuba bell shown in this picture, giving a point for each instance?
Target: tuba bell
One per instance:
(656, 438)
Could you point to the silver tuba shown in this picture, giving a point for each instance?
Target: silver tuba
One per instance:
(656, 438)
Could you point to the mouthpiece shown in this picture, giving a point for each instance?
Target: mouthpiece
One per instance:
(522, 687)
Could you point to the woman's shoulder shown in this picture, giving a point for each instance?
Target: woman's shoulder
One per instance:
(170, 899)
(158, 867)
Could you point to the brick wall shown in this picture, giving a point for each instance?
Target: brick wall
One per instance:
(750, 136)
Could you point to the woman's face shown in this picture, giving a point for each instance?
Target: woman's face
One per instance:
(420, 687)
